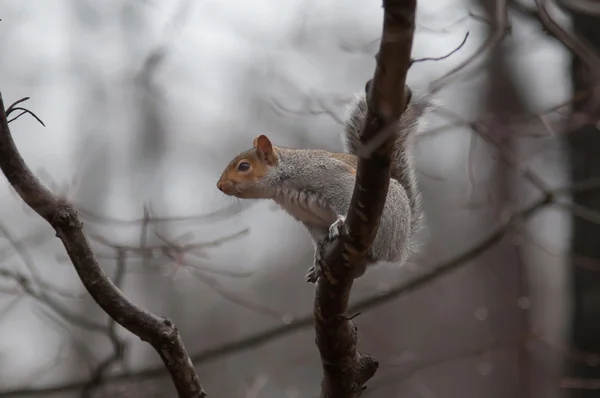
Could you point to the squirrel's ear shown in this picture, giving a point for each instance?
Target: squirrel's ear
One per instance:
(262, 143)
(265, 149)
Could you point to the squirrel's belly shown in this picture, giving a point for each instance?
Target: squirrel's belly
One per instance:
(306, 207)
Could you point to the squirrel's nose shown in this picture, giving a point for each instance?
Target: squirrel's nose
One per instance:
(220, 186)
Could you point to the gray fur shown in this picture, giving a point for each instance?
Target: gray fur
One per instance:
(403, 169)
(316, 189)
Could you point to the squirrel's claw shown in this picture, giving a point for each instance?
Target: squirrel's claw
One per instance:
(313, 273)
(335, 228)
(312, 276)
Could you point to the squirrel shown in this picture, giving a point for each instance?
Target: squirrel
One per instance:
(315, 186)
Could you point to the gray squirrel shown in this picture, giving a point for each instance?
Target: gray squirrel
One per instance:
(315, 186)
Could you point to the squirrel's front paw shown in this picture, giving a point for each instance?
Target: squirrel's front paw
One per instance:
(336, 227)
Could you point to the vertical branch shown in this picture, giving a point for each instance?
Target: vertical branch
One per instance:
(345, 370)
(504, 99)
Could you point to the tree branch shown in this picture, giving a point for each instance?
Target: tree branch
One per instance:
(345, 370)
(501, 29)
(161, 333)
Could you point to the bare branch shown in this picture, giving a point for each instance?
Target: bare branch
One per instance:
(410, 368)
(414, 61)
(118, 344)
(224, 213)
(345, 370)
(161, 333)
(572, 42)
(13, 108)
(23, 112)
(500, 31)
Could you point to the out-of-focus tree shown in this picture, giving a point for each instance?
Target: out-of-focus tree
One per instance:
(583, 141)
(503, 268)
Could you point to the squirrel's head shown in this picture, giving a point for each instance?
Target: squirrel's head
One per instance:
(243, 174)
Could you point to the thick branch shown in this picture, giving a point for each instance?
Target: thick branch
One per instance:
(159, 332)
(345, 370)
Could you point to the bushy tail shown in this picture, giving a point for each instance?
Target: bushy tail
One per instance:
(403, 169)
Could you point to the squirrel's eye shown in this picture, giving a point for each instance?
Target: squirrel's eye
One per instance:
(244, 166)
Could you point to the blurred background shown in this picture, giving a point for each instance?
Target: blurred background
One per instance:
(145, 103)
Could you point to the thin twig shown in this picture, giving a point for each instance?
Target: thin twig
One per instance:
(500, 31)
(414, 61)
(13, 108)
(24, 111)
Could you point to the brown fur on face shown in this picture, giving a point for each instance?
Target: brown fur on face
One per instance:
(242, 174)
